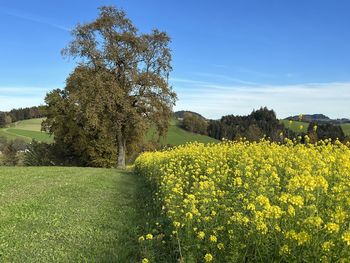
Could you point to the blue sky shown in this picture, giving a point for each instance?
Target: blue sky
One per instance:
(229, 57)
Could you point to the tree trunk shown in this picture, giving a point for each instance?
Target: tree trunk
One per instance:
(121, 151)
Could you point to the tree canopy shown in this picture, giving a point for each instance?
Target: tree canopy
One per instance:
(119, 88)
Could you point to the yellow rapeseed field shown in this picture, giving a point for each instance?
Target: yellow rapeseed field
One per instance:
(261, 202)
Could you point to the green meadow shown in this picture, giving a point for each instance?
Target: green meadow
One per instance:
(26, 130)
(30, 129)
(295, 126)
(70, 215)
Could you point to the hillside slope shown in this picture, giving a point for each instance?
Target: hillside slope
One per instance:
(26, 130)
(177, 136)
(30, 129)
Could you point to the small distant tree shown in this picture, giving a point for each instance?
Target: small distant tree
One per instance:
(3, 143)
(118, 89)
(2, 119)
(10, 155)
(194, 123)
(19, 144)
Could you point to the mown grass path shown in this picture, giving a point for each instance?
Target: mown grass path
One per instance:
(53, 214)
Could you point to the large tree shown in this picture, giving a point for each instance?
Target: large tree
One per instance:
(119, 88)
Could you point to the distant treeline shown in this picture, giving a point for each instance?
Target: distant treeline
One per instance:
(20, 114)
(322, 131)
(253, 127)
(260, 123)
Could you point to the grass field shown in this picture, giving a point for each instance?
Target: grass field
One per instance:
(177, 136)
(296, 124)
(346, 129)
(69, 215)
(26, 130)
(30, 129)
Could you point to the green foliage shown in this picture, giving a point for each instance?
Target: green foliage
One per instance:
(9, 152)
(27, 113)
(194, 123)
(61, 214)
(119, 88)
(39, 154)
(2, 120)
(50, 154)
(253, 127)
(346, 129)
(327, 131)
(3, 142)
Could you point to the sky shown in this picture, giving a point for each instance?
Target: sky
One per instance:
(229, 57)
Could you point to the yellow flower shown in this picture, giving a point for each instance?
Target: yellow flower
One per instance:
(213, 238)
(332, 227)
(346, 237)
(149, 236)
(326, 246)
(283, 192)
(302, 238)
(141, 238)
(177, 224)
(201, 235)
(284, 250)
(291, 210)
(145, 260)
(189, 215)
(208, 257)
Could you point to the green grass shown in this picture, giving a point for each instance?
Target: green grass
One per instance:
(346, 129)
(177, 136)
(26, 130)
(29, 125)
(29, 134)
(296, 125)
(52, 214)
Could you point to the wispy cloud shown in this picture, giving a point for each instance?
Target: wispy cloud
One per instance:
(221, 77)
(256, 73)
(16, 97)
(215, 100)
(188, 81)
(35, 19)
(10, 102)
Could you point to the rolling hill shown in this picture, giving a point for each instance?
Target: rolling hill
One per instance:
(177, 135)
(295, 126)
(26, 130)
(30, 129)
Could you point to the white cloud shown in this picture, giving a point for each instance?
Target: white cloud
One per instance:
(215, 100)
(19, 97)
(225, 78)
(7, 103)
